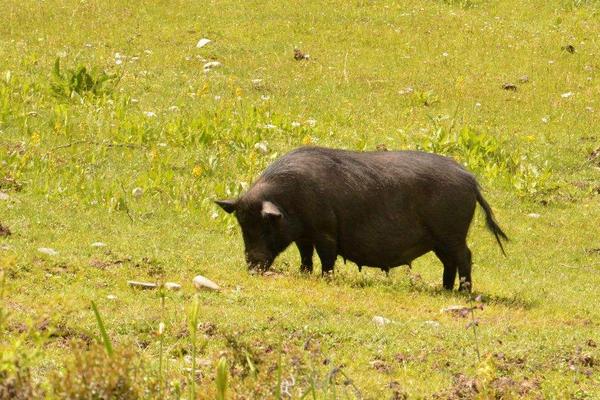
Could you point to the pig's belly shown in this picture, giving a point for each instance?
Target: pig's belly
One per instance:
(385, 250)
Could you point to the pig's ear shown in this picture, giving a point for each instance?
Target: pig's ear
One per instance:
(270, 210)
(228, 205)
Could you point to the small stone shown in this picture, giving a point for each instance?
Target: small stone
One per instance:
(172, 286)
(202, 283)
(211, 65)
(533, 215)
(381, 321)
(299, 55)
(111, 297)
(566, 95)
(137, 192)
(4, 196)
(48, 251)
(4, 231)
(509, 86)
(261, 147)
(142, 285)
(203, 42)
(524, 79)
(98, 244)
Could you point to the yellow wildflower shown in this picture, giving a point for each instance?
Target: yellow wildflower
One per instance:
(197, 171)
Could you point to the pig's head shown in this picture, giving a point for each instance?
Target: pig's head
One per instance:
(266, 229)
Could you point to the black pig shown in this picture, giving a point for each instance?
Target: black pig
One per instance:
(379, 209)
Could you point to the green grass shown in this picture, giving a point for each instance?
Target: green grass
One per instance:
(411, 74)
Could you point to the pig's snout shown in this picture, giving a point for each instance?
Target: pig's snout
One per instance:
(258, 261)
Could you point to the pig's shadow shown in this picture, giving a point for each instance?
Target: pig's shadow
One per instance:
(511, 302)
(414, 283)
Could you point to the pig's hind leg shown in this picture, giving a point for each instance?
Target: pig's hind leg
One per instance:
(456, 259)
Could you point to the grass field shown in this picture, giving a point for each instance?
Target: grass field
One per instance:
(132, 151)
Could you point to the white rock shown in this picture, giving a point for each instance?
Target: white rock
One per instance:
(47, 251)
(262, 147)
(137, 192)
(433, 324)
(142, 285)
(201, 283)
(111, 297)
(381, 321)
(566, 95)
(172, 286)
(98, 244)
(203, 42)
(211, 65)
(533, 215)
(4, 196)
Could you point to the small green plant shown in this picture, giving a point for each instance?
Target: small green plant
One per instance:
(491, 157)
(221, 379)
(81, 81)
(93, 374)
(474, 304)
(18, 384)
(425, 98)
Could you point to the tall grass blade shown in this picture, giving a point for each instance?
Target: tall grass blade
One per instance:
(193, 321)
(105, 338)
